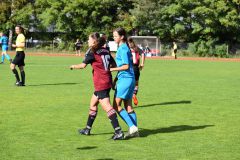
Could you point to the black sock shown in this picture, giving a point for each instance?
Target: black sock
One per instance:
(23, 77)
(15, 72)
(91, 118)
(113, 118)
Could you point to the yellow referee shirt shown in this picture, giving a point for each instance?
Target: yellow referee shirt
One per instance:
(20, 39)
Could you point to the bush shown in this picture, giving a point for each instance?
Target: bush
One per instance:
(208, 48)
(221, 51)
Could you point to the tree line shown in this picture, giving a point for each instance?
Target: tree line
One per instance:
(170, 20)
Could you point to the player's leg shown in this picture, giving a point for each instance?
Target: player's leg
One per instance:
(7, 56)
(15, 72)
(137, 75)
(2, 59)
(122, 112)
(93, 109)
(135, 100)
(22, 73)
(131, 112)
(105, 103)
(133, 131)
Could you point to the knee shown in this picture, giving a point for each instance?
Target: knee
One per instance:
(12, 67)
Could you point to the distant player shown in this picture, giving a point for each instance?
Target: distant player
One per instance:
(137, 54)
(125, 82)
(78, 46)
(4, 43)
(101, 60)
(20, 56)
(174, 50)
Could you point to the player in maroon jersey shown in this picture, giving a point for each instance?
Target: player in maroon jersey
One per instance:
(101, 60)
(137, 54)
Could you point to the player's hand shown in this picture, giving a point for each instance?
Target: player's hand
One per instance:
(141, 67)
(14, 45)
(111, 69)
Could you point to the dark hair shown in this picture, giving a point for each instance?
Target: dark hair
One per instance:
(21, 28)
(100, 41)
(130, 40)
(121, 32)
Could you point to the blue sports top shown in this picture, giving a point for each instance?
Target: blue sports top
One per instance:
(4, 41)
(124, 56)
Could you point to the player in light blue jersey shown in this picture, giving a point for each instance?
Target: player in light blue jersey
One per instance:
(125, 82)
(4, 43)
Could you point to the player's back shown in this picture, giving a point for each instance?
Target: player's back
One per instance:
(102, 76)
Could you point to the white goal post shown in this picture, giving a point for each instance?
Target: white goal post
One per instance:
(152, 42)
(143, 41)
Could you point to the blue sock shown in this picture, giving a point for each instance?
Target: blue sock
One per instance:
(133, 117)
(124, 115)
(8, 57)
(3, 57)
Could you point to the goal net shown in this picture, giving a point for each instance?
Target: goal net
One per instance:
(145, 42)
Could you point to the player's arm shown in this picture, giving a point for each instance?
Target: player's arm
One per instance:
(142, 58)
(122, 68)
(89, 58)
(78, 66)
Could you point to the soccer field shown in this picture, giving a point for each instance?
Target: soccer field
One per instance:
(188, 110)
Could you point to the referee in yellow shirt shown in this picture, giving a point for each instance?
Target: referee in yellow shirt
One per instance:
(20, 56)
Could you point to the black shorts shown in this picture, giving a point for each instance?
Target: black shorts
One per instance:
(78, 48)
(102, 94)
(136, 72)
(175, 51)
(19, 58)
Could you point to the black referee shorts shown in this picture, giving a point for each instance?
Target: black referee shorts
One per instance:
(102, 94)
(19, 58)
(136, 72)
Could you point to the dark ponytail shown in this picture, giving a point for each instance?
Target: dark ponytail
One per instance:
(122, 32)
(100, 41)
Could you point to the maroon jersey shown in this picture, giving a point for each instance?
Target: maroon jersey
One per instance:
(100, 61)
(136, 55)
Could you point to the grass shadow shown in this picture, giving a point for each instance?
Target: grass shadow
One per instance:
(146, 132)
(165, 103)
(53, 84)
(87, 147)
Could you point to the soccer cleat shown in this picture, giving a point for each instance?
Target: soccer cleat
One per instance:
(84, 131)
(135, 100)
(132, 132)
(1, 62)
(118, 136)
(19, 84)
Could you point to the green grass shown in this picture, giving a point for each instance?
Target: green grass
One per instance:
(188, 110)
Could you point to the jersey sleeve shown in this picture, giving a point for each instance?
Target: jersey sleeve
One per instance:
(124, 56)
(21, 38)
(89, 57)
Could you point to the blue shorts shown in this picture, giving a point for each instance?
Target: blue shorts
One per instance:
(125, 88)
(4, 48)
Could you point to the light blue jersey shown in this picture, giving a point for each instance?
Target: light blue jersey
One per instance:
(4, 43)
(124, 56)
(126, 79)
